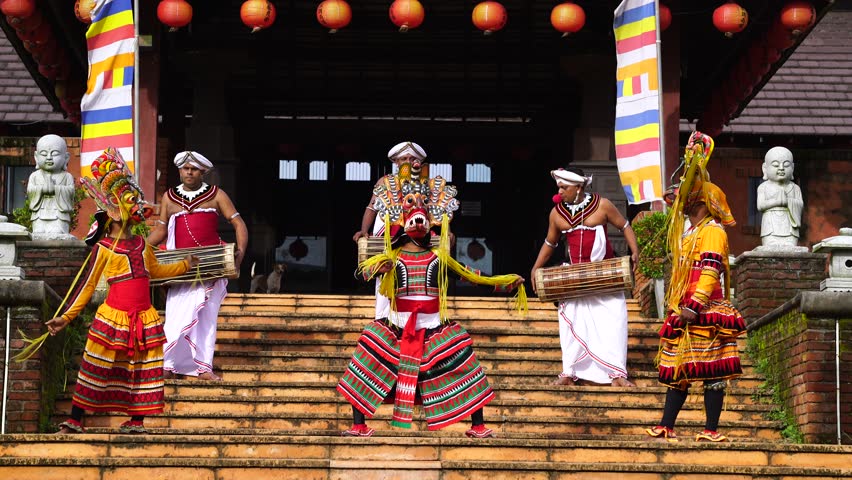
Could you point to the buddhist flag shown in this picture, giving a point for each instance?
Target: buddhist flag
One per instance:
(637, 105)
(107, 106)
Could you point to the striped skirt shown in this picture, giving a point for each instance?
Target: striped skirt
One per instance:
(122, 366)
(704, 350)
(450, 381)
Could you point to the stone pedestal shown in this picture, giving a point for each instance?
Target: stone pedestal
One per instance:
(10, 233)
(765, 279)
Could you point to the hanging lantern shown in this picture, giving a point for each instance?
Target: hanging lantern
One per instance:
(567, 18)
(406, 14)
(48, 71)
(475, 250)
(334, 14)
(174, 13)
(83, 10)
(798, 16)
(25, 24)
(18, 8)
(38, 36)
(489, 17)
(298, 249)
(730, 18)
(665, 17)
(257, 14)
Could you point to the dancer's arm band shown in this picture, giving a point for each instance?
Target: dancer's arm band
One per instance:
(235, 215)
(551, 245)
(626, 226)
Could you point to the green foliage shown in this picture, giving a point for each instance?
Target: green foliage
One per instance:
(650, 233)
(60, 355)
(79, 195)
(769, 363)
(140, 229)
(23, 215)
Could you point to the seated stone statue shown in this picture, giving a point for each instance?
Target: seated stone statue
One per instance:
(779, 200)
(51, 189)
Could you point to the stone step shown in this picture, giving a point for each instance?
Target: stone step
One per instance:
(535, 453)
(501, 407)
(555, 422)
(332, 372)
(537, 368)
(641, 344)
(533, 392)
(424, 455)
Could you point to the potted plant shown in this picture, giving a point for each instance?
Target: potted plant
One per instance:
(650, 230)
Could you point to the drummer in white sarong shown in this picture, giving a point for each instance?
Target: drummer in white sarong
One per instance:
(592, 329)
(189, 217)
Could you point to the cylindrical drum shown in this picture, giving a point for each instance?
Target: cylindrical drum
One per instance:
(583, 279)
(215, 261)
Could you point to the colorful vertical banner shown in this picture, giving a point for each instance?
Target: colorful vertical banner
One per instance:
(637, 105)
(107, 106)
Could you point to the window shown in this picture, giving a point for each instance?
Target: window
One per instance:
(444, 170)
(478, 173)
(318, 170)
(288, 169)
(357, 172)
(16, 186)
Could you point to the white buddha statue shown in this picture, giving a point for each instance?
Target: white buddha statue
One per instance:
(779, 200)
(51, 189)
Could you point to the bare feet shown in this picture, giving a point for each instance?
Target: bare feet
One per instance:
(622, 382)
(168, 374)
(567, 381)
(67, 431)
(210, 376)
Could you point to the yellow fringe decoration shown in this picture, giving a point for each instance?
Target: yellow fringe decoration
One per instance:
(34, 344)
(387, 286)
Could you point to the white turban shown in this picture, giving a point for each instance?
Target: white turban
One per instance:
(406, 148)
(193, 159)
(563, 176)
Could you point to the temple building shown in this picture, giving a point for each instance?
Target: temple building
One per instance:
(298, 120)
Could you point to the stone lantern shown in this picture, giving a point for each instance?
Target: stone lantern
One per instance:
(840, 269)
(9, 234)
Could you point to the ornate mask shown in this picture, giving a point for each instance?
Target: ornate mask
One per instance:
(114, 190)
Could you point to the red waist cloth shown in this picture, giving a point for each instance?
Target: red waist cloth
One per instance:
(197, 229)
(132, 296)
(694, 275)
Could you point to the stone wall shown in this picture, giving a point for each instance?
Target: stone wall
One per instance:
(763, 281)
(794, 347)
(26, 302)
(56, 262)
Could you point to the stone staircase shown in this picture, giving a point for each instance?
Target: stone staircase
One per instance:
(277, 415)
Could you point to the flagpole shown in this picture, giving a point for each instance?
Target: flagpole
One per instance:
(660, 97)
(137, 164)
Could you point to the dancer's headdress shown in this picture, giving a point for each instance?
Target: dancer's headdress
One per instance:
(114, 190)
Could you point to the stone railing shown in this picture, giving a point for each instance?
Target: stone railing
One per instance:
(796, 347)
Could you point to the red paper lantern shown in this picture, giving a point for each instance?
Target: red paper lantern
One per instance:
(38, 36)
(665, 17)
(489, 17)
(257, 14)
(48, 71)
(730, 18)
(174, 13)
(567, 18)
(83, 10)
(25, 24)
(334, 14)
(406, 14)
(798, 16)
(18, 8)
